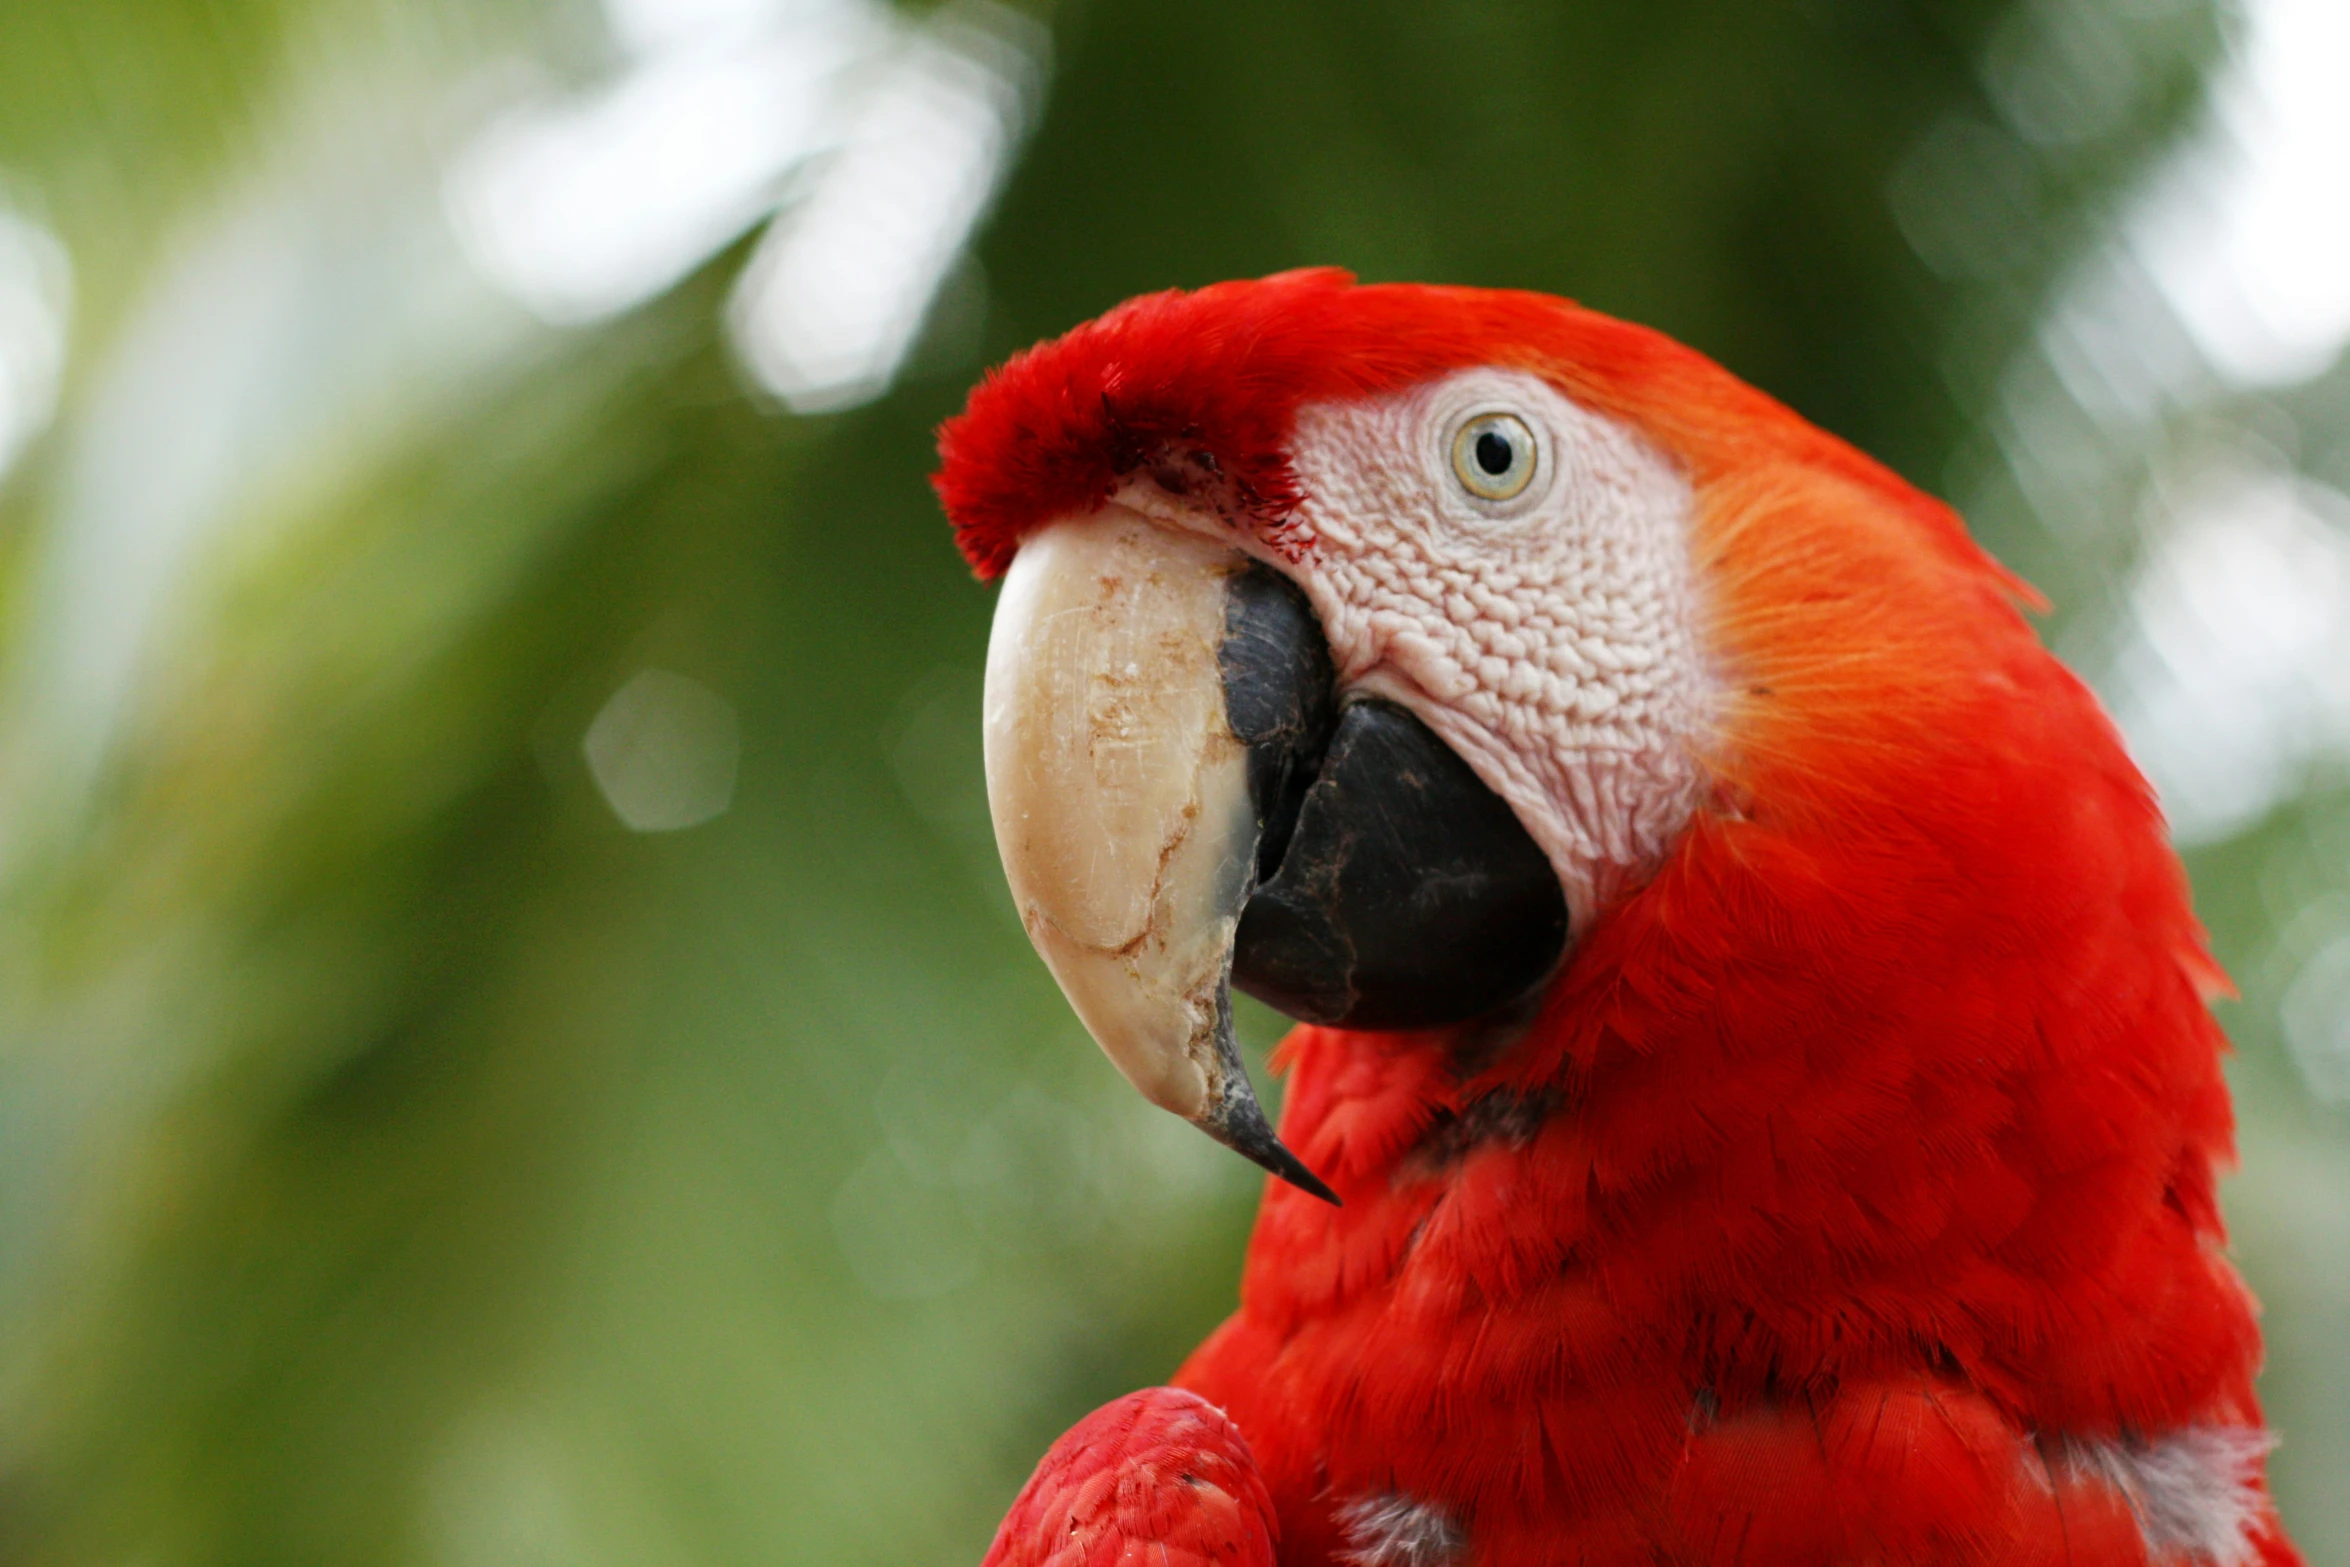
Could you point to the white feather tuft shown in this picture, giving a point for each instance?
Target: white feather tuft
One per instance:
(1395, 1531)
(2196, 1491)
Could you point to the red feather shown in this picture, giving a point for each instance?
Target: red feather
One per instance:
(1157, 1477)
(1860, 1165)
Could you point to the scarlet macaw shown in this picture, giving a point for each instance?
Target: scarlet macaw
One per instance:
(1754, 1033)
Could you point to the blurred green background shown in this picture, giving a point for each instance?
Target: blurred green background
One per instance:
(513, 1048)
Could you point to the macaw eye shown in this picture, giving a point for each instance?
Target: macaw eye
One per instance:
(1493, 455)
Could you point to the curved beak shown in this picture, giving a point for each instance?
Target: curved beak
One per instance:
(1185, 801)
(1123, 808)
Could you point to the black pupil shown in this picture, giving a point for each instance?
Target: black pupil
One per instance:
(1494, 453)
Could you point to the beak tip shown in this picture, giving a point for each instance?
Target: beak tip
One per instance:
(1240, 1125)
(1305, 1180)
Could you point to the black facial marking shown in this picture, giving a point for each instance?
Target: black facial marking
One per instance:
(1498, 1117)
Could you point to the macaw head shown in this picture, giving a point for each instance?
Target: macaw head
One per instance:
(1375, 648)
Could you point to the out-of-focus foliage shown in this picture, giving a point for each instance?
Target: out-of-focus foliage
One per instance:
(403, 1160)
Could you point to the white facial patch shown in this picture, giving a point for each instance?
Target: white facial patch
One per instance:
(1394, 1531)
(1548, 637)
(2195, 1491)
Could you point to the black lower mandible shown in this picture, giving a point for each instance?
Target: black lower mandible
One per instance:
(1408, 895)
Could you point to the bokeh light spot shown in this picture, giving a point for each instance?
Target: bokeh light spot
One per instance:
(664, 751)
(2316, 1012)
(36, 293)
